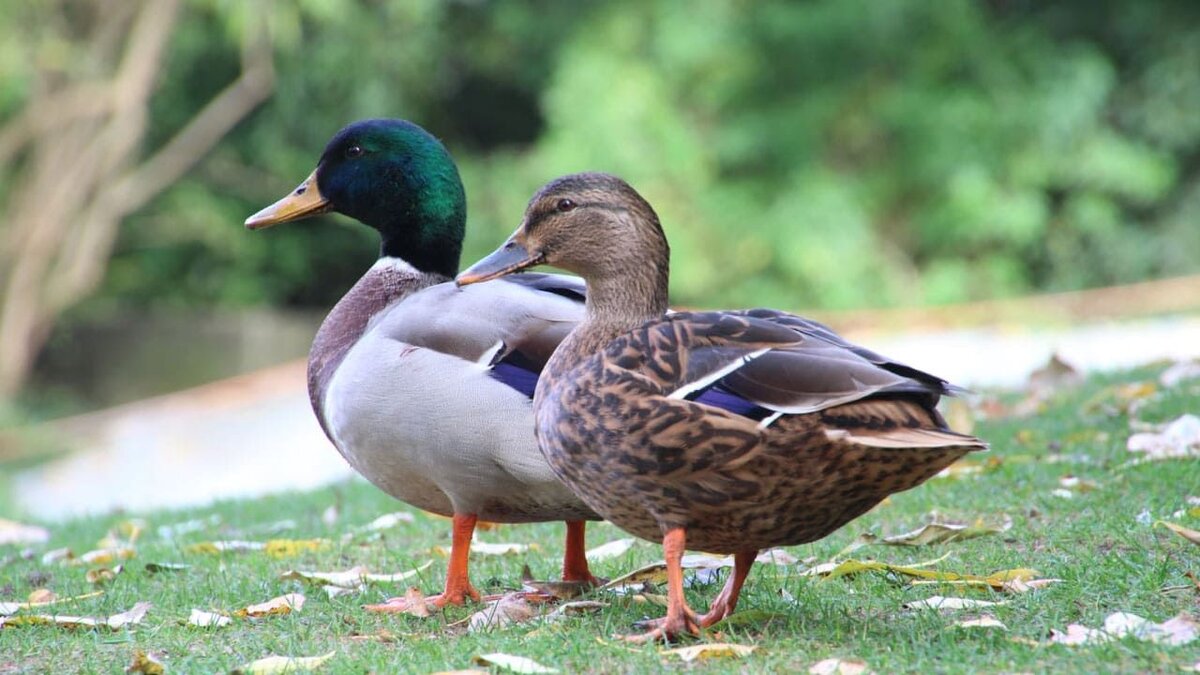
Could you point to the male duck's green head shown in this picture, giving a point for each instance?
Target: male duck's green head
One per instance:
(393, 176)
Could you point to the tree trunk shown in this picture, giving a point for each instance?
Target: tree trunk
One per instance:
(81, 174)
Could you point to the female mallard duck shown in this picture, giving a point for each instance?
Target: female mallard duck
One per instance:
(803, 431)
(425, 389)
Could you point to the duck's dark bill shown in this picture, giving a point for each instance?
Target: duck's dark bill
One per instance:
(302, 202)
(512, 257)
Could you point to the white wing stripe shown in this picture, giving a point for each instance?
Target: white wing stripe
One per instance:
(705, 381)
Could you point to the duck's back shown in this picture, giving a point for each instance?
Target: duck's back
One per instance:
(751, 429)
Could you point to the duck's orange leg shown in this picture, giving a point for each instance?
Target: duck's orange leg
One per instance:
(458, 584)
(575, 564)
(680, 618)
(727, 599)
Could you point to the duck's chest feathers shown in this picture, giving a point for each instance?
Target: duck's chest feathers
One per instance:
(389, 280)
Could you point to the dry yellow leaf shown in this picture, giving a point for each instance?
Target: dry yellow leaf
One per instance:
(710, 650)
(286, 548)
(8, 608)
(1187, 533)
(981, 621)
(116, 621)
(233, 546)
(41, 596)
(273, 665)
(147, 664)
(103, 575)
(104, 556)
(513, 664)
(839, 667)
(284, 604)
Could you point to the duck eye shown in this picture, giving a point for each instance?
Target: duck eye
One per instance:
(354, 151)
(564, 205)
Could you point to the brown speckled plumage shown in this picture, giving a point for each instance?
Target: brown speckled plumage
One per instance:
(836, 428)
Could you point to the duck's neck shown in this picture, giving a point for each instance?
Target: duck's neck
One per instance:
(619, 301)
(433, 246)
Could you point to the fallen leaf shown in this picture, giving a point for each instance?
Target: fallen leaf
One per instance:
(935, 532)
(563, 590)
(483, 548)
(1078, 635)
(656, 572)
(941, 603)
(57, 555)
(776, 556)
(41, 596)
(116, 621)
(284, 604)
(12, 532)
(511, 609)
(123, 535)
(415, 604)
(612, 549)
(155, 568)
(147, 664)
(1179, 630)
(104, 556)
(1077, 484)
(513, 664)
(353, 579)
(330, 515)
(208, 619)
(103, 575)
(387, 521)
(839, 667)
(1179, 372)
(576, 608)
(188, 526)
(286, 548)
(39, 600)
(1187, 533)
(231, 546)
(1013, 581)
(981, 621)
(710, 650)
(1179, 438)
(272, 665)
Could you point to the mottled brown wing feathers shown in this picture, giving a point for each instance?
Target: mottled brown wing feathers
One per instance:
(687, 351)
(775, 360)
(892, 423)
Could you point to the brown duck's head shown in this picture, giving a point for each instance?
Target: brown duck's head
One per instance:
(592, 224)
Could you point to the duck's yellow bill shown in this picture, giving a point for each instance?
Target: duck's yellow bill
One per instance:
(509, 258)
(302, 202)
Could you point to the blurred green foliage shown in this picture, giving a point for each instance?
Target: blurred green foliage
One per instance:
(829, 153)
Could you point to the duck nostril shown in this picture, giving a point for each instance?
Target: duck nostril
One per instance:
(301, 190)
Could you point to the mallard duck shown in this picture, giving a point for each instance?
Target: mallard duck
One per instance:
(727, 431)
(423, 388)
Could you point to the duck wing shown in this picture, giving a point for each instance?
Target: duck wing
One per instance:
(772, 361)
(510, 326)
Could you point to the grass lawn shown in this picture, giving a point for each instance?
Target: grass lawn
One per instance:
(1101, 543)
